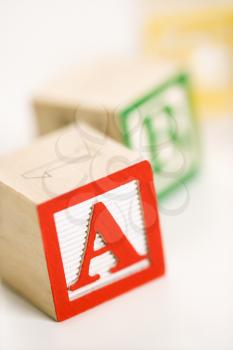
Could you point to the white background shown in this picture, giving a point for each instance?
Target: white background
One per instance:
(40, 38)
(191, 308)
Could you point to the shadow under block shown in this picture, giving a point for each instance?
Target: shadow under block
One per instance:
(79, 221)
(145, 105)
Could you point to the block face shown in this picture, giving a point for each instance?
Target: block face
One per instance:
(210, 65)
(162, 128)
(22, 259)
(102, 239)
(72, 229)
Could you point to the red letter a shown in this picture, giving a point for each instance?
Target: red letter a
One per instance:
(115, 241)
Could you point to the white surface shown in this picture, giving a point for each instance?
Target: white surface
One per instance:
(191, 308)
(123, 203)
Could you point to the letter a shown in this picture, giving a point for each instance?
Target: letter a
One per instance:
(115, 241)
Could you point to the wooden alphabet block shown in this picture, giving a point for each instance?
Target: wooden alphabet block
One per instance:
(201, 38)
(79, 221)
(146, 106)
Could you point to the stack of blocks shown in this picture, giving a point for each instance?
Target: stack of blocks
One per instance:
(79, 218)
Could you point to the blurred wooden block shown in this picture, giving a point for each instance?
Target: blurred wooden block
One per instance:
(201, 38)
(79, 221)
(146, 105)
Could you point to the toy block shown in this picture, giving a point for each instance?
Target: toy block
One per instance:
(201, 38)
(145, 105)
(79, 221)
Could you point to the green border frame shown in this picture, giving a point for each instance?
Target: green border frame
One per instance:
(183, 79)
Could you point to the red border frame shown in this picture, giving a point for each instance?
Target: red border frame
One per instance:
(64, 307)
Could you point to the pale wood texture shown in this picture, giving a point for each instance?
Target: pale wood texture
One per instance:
(22, 259)
(55, 164)
(62, 161)
(97, 92)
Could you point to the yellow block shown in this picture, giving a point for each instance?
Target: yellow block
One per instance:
(202, 39)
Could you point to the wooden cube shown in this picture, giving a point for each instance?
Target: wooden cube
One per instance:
(79, 221)
(201, 38)
(145, 105)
